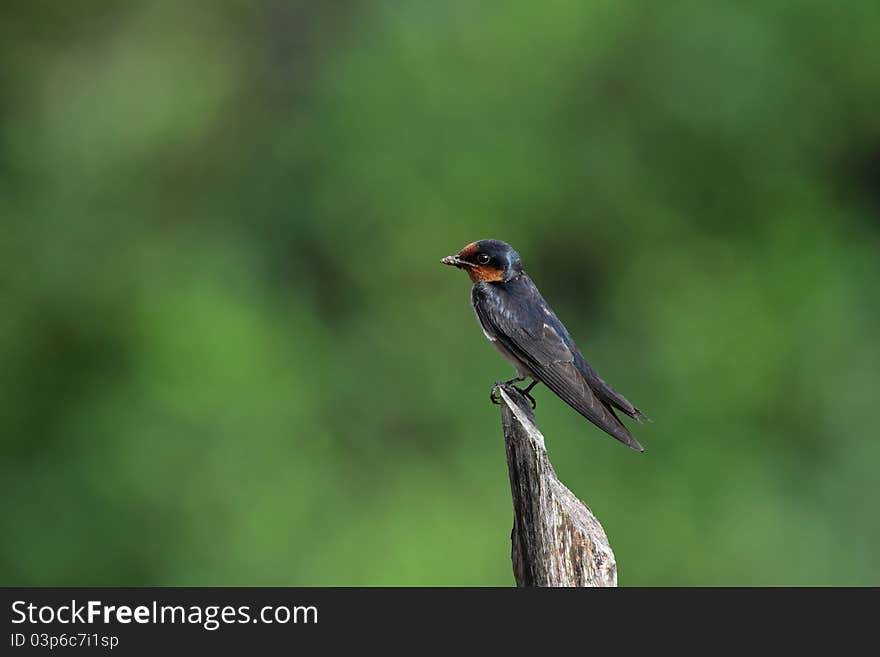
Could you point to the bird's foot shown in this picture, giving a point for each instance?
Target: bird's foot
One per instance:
(495, 397)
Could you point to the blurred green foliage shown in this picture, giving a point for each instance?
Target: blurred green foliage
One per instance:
(230, 355)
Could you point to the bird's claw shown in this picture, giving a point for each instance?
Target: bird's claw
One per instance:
(495, 397)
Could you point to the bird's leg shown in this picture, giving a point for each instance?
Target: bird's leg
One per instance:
(493, 393)
(527, 390)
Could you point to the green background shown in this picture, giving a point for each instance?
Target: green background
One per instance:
(229, 354)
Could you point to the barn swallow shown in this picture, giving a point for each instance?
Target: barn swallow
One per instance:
(518, 321)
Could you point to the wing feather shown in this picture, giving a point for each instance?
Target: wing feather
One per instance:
(540, 346)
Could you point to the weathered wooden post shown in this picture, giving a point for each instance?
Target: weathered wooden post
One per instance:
(557, 541)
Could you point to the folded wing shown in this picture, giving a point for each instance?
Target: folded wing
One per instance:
(539, 345)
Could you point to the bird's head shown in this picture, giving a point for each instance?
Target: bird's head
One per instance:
(490, 261)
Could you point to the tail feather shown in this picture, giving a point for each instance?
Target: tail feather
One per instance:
(633, 413)
(623, 434)
(611, 397)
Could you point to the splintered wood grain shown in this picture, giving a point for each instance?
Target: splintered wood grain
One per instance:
(556, 539)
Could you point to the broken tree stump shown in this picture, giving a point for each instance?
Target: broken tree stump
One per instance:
(556, 539)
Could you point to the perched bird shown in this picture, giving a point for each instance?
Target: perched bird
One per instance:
(522, 326)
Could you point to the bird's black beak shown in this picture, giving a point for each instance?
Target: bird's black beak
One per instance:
(455, 261)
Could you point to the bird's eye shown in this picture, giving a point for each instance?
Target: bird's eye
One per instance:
(483, 258)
